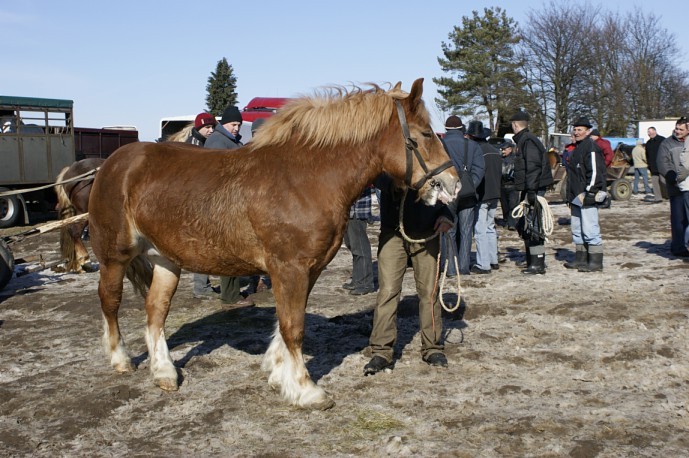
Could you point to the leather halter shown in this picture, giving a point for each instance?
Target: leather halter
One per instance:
(410, 146)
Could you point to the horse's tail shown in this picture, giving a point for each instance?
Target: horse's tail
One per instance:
(65, 209)
(140, 274)
(64, 205)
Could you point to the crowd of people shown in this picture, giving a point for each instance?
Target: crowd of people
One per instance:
(513, 175)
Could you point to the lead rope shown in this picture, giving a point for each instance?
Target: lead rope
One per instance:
(442, 276)
(548, 224)
(76, 178)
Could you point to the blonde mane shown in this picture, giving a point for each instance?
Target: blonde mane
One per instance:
(328, 118)
(182, 135)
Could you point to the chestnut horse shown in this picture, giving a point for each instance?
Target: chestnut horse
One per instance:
(278, 205)
(72, 200)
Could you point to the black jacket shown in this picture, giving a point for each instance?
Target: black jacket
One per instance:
(419, 218)
(652, 146)
(586, 169)
(489, 189)
(531, 168)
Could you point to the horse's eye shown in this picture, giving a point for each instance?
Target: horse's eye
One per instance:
(427, 134)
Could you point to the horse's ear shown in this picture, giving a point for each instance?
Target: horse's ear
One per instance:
(398, 86)
(416, 92)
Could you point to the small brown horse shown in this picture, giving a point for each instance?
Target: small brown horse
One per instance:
(73, 199)
(278, 205)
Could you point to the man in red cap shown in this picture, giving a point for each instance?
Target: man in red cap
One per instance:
(203, 127)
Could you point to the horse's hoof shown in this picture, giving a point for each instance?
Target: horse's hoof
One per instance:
(125, 367)
(167, 384)
(325, 404)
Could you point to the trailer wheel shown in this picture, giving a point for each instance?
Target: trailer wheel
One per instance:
(6, 264)
(10, 210)
(621, 189)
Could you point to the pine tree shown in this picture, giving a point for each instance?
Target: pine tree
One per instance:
(221, 88)
(484, 68)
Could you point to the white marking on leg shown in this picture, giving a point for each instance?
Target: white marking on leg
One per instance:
(119, 358)
(162, 366)
(289, 374)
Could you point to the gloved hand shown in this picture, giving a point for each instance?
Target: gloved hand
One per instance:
(531, 198)
(589, 199)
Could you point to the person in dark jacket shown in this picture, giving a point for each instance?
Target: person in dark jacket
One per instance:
(669, 166)
(203, 127)
(458, 146)
(488, 195)
(586, 187)
(226, 136)
(509, 196)
(420, 222)
(204, 124)
(658, 181)
(532, 176)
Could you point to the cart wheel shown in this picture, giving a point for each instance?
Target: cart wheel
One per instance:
(10, 210)
(621, 189)
(6, 264)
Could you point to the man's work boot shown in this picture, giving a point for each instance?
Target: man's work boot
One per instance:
(377, 364)
(537, 266)
(595, 260)
(580, 258)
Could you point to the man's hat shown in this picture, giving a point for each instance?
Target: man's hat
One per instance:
(506, 144)
(231, 114)
(520, 116)
(476, 130)
(256, 125)
(595, 132)
(583, 121)
(204, 119)
(453, 122)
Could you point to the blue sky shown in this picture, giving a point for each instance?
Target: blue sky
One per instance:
(132, 63)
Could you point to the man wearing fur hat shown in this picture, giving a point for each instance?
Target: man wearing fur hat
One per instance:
(585, 187)
(532, 176)
(226, 136)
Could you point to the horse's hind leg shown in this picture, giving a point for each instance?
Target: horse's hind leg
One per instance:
(163, 287)
(110, 292)
(284, 358)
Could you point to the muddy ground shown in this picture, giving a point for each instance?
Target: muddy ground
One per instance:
(566, 364)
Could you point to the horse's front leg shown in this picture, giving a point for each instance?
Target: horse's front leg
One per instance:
(284, 359)
(163, 287)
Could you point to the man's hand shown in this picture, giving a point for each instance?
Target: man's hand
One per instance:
(531, 198)
(443, 225)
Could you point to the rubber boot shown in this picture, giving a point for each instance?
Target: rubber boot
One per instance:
(579, 259)
(595, 260)
(527, 262)
(536, 266)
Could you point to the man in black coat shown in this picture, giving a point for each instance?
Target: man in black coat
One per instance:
(586, 186)
(652, 145)
(488, 192)
(467, 158)
(532, 176)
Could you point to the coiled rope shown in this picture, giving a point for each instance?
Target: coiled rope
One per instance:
(451, 255)
(546, 212)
